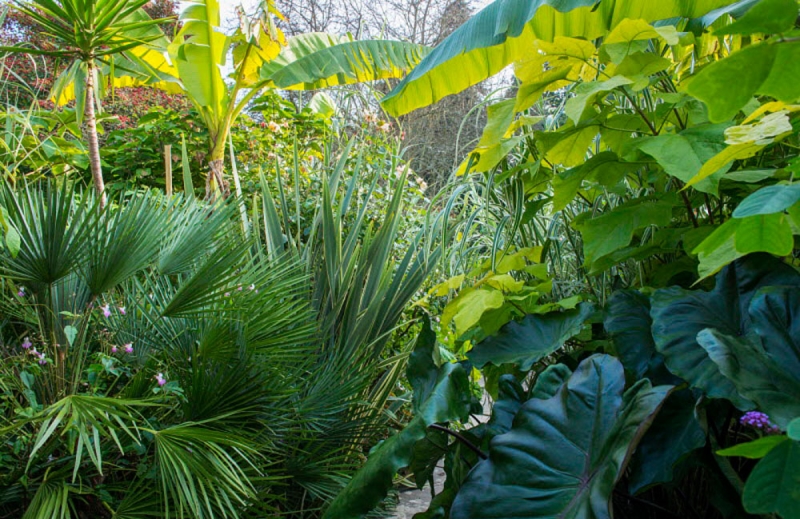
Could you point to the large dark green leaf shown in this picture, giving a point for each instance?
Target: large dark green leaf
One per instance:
(421, 371)
(563, 455)
(629, 323)
(510, 398)
(774, 485)
(550, 381)
(675, 433)
(531, 339)
(679, 315)
(123, 241)
(447, 399)
(754, 374)
(775, 313)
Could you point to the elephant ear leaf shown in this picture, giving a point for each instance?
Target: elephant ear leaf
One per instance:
(629, 323)
(679, 315)
(755, 374)
(595, 425)
(550, 381)
(446, 391)
(775, 313)
(510, 398)
(676, 432)
(531, 339)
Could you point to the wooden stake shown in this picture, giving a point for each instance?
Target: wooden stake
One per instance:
(168, 167)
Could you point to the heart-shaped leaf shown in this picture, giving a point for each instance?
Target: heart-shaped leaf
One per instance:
(754, 374)
(564, 454)
(531, 339)
(679, 315)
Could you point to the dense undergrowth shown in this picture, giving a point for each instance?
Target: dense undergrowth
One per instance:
(597, 316)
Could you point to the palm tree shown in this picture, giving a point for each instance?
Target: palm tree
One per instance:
(98, 38)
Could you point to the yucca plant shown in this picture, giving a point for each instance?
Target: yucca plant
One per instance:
(152, 365)
(365, 272)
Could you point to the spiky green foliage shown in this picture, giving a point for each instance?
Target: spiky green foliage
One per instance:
(259, 410)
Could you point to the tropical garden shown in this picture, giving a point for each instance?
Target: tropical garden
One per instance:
(231, 285)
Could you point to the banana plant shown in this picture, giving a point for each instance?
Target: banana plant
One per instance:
(262, 58)
(103, 41)
(504, 33)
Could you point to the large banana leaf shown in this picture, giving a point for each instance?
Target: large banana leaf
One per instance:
(563, 455)
(318, 60)
(503, 33)
(199, 51)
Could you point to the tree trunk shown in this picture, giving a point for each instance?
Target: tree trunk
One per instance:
(215, 179)
(91, 135)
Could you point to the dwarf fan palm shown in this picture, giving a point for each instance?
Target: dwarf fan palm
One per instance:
(151, 364)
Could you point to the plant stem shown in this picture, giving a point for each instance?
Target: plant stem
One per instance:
(639, 111)
(91, 134)
(471, 446)
(689, 209)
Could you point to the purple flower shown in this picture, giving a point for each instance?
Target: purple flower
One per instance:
(122, 310)
(26, 343)
(129, 348)
(160, 379)
(756, 419)
(106, 311)
(42, 361)
(227, 294)
(33, 352)
(21, 292)
(239, 288)
(114, 349)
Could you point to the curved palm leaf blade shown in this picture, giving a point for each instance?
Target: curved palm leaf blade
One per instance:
(596, 425)
(204, 470)
(319, 60)
(52, 230)
(503, 33)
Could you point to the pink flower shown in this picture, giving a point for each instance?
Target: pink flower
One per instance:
(227, 294)
(106, 311)
(273, 126)
(239, 288)
(129, 348)
(160, 379)
(114, 349)
(385, 127)
(122, 310)
(26, 344)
